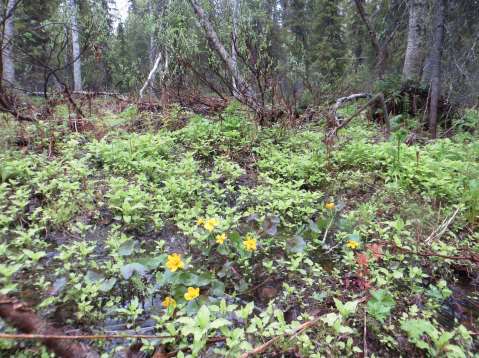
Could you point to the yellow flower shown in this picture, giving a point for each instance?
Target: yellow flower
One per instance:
(330, 206)
(192, 293)
(169, 301)
(353, 245)
(174, 262)
(220, 239)
(249, 243)
(200, 221)
(210, 224)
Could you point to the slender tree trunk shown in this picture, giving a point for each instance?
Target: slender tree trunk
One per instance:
(151, 49)
(234, 38)
(381, 62)
(415, 41)
(8, 73)
(436, 59)
(244, 93)
(151, 75)
(380, 49)
(77, 80)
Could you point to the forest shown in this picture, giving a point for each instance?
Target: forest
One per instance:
(239, 178)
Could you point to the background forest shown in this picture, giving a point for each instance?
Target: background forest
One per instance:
(239, 178)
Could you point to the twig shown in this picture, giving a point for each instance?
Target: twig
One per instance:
(296, 332)
(472, 258)
(436, 234)
(365, 340)
(327, 229)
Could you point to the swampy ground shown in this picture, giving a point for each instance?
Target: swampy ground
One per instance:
(223, 235)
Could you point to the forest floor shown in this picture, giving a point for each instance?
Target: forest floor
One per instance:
(223, 236)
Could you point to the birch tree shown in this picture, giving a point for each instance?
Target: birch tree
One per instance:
(8, 71)
(77, 77)
(244, 92)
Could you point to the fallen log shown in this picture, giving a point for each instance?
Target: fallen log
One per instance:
(24, 319)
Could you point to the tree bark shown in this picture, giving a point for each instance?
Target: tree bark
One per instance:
(415, 41)
(234, 38)
(380, 49)
(436, 59)
(152, 73)
(22, 317)
(8, 72)
(244, 92)
(77, 78)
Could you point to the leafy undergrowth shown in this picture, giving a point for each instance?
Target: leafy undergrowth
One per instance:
(222, 236)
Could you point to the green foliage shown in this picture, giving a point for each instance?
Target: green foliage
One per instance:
(263, 215)
(380, 304)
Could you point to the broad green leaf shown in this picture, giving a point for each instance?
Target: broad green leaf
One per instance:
(128, 270)
(203, 316)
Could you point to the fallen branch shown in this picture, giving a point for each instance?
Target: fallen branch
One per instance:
(471, 257)
(22, 317)
(342, 100)
(79, 337)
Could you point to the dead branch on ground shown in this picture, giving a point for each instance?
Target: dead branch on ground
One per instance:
(23, 318)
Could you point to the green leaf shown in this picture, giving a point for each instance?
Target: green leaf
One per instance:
(415, 328)
(152, 263)
(127, 248)
(128, 270)
(296, 244)
(220, 322)
(107, 285)
(380, 304)
(203, 317)
(93, 277)
(347, 308)
(217, 288)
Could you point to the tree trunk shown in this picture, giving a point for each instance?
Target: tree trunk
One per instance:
(244, 92)
(77, 81)
(234, 38)
(8, 72)
(151, 45)
(152, 73)
(415, 41)
(380, 49)
(381, 62)
(436, 58)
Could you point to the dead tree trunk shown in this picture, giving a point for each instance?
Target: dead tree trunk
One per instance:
(436, 58)
(244, 92)
(415, 41)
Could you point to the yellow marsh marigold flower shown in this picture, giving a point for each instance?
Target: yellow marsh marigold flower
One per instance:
(250, 243)
(330, 206)
(169, 301)
(174, 262)
(192, 293)
(200, 221)
(353, 245)
(220, 239)
(210, 224)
